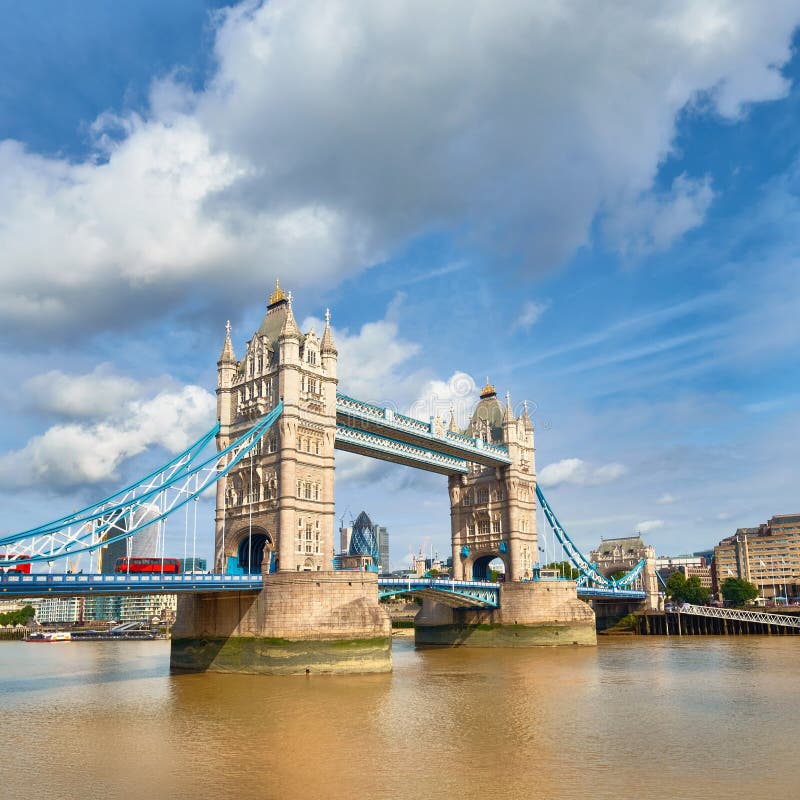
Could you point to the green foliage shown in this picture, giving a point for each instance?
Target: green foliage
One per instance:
(687, 591)
(630, 622)
(21, 617)
(675, 585)
(618, 574)
(564, 568)
(738, 591)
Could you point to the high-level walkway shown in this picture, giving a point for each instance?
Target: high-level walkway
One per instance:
(382, 433)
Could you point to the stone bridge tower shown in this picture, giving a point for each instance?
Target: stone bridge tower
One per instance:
(275, 511)
(492, 510)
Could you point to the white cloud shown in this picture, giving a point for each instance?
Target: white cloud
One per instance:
(665, 499)
(652, 222)
(578, 472)
(436, 398)
(530, 314)
(332, 132)
(70, 455)
(375, 360)
(96, 394)
(649, 525)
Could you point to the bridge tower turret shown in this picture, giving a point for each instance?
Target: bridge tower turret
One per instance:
(493, 510)
(275, 511)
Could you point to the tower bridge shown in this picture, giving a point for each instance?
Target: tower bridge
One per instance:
(280, 420)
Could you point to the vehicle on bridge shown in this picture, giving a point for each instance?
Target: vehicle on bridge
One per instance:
(160, 565)
(5, 567)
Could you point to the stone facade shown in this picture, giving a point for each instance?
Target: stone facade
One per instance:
(493, 511)
(623, 554)
(276, 509)
(531, 614)
(299, 623)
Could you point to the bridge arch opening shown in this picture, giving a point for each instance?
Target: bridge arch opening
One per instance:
(252, 550)
(484, 566)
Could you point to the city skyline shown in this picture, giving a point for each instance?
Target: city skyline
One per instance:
(616, 246)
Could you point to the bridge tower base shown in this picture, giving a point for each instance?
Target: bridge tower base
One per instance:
(531, 614)
(299, 623)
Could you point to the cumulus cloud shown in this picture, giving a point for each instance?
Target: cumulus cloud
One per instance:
(374, 361)
(437, 398)
(530, 313)
(578, 472)
(96, 394)
(648, 525)
(332, 132)
(70, 455)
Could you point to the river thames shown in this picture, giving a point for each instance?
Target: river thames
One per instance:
(645, 717)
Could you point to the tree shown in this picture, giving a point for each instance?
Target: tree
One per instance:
(694, 592)
(21, 617)
(738, 591)
(675, 585)
(687, 591)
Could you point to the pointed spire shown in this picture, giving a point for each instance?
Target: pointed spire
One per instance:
(289, 327)
(508, 414)
(525, 417)
(327, 336)
(452, 426)
(227, 356)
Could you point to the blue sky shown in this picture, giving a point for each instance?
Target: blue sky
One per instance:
(598, 209)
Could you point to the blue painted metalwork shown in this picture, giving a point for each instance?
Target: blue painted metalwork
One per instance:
(384, 445)
(587, 569)
(606, 593)
(465, 552)
(354, 410)
(85, 532)
(503, 547)
(480, 594)
(21, 585)
(90, 513)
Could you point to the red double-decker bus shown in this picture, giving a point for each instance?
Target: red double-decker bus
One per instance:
(5, 567)
(165, 565)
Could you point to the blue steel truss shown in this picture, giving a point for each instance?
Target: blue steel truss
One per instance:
(588, 571)
(463, 594)
(119, 516)
(356, 415)
(392, 449)
(481, 594)
(21, 585)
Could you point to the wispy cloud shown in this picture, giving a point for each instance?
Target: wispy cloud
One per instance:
(648, 525)
(578, 472)
(530, 314)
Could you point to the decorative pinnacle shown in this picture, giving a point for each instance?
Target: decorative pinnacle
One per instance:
(327, 316)
(228, 328)
(278, 294)
(488, 390)
(289, 298)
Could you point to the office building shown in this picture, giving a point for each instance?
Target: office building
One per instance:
(767, 556)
